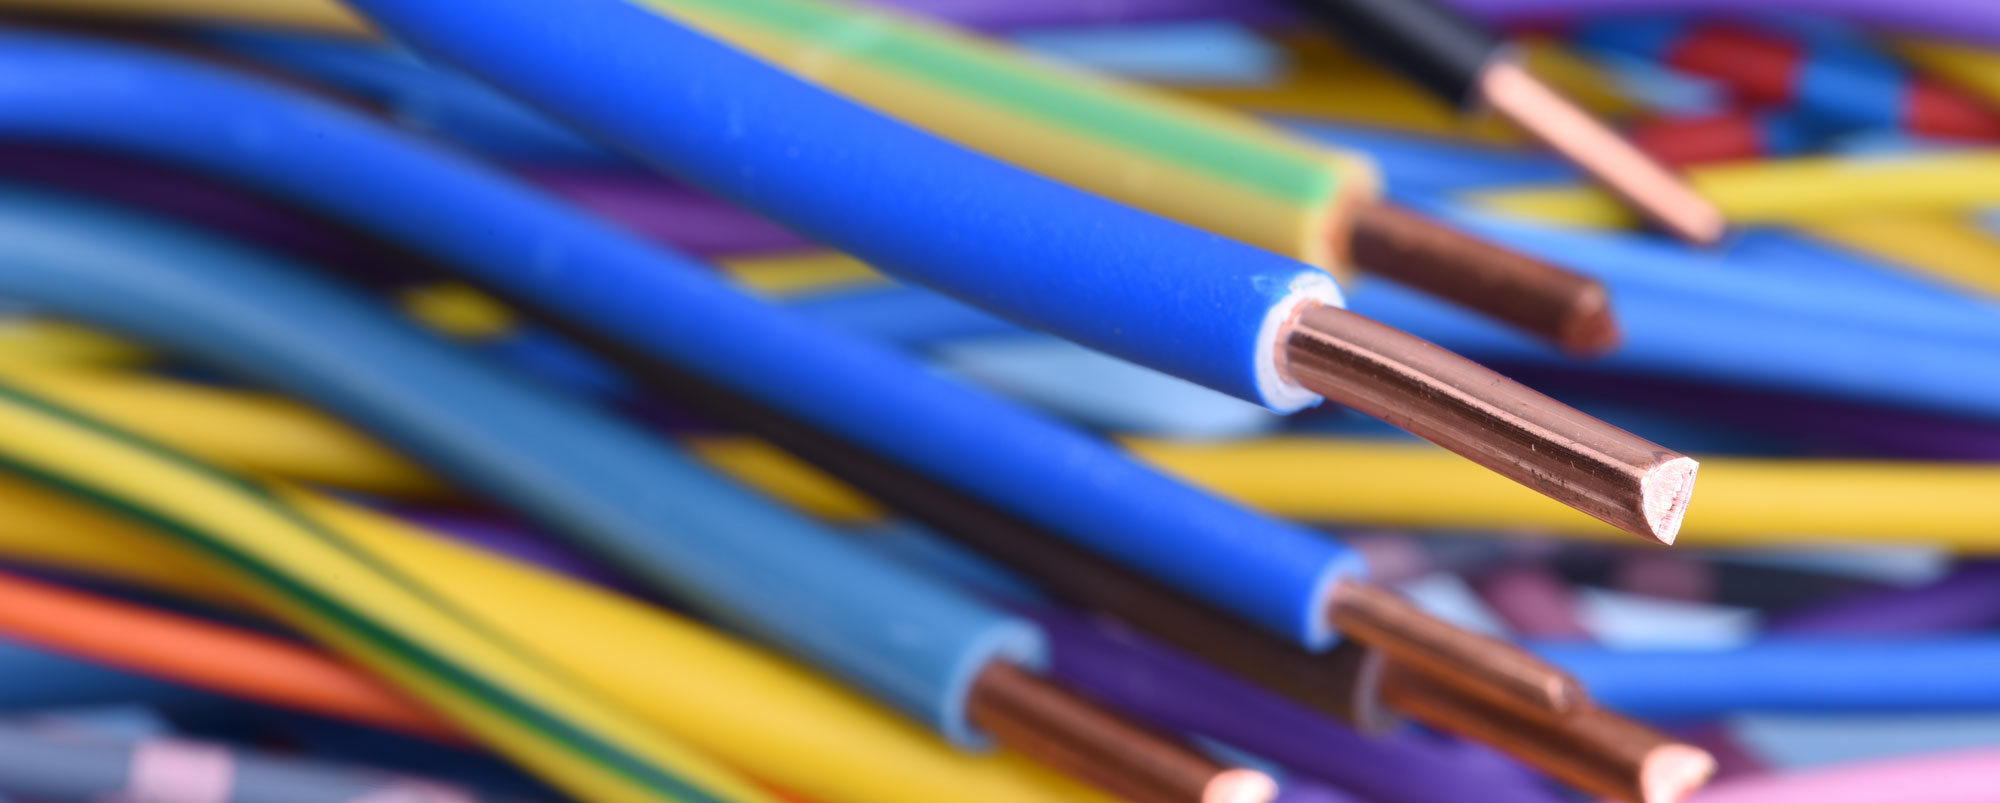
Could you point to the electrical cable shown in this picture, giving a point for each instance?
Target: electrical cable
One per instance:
(1334, 684)
(227, 660)
(1457, 61)
(1298, 345)
(54, 763)
(1229, 175)
(607, 485)
(1757, 500)
(746, 705)
(1893, 673)
(1954, 19)
(1815, 189)
(332, 588)
(1959, 776)
(1946, 248)
(489, 228)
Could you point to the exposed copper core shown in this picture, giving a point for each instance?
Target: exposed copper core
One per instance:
(1056, 728)
(1596, 751)
(1620, 166)
(1562, 306)
(1627, 481)
(1493, 670)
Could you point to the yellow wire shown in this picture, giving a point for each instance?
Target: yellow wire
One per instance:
(1971, 68)
(790, 274)
(283, 563)
(35, 340)
(1949, 248)
(1737, 501)
(1812, 189)
(236, 430)
(746, 706)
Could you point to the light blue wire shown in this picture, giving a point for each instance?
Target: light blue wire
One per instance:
(496, 232)
(1186, 53)
(658, 514)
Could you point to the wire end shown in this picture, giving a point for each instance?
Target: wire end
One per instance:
(1241, 786)
(1664, 494)
(1672, 772)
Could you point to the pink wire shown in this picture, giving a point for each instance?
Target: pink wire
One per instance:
(1963, 776)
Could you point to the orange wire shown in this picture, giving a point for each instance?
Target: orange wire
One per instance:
(214, 657)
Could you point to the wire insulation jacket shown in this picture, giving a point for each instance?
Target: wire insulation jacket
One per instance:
(494, 231)
(611, 486)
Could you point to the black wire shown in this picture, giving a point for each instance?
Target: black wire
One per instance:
(1432, 45)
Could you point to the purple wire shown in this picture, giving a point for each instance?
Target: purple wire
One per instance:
(664, 211)
(1176, 693)
(1968, 598)
(1972, 20)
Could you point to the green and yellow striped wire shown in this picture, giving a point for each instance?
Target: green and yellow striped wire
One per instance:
(1204, 166)
(334, 589)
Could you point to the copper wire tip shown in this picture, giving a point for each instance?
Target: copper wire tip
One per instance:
(1067, 733)
(1562, 306)
(1591, 749)
(1495, 671)
(1670, 773)
(1241, 786)
(1620, 478)
(1645, 184)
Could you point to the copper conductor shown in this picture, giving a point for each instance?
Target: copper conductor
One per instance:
(1567, 308)
(1620, 478)
(1626, 171)
(1493, 670)
(1596, 751)
(1065, 733)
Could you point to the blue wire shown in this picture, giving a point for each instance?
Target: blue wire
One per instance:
(1829, 675)
(415, 94)
(1690, 335)
(1168, 296)
(36, 678)
(496, 232)
(662, 516)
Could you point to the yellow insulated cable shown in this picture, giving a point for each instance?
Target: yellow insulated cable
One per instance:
(332, 589)
(1949, 248)
(1969, 67)
(1813, 189)
(36, 340)
(239, 431)
(1738, 502)
(752, 709)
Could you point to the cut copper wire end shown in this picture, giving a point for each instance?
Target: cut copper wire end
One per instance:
(1493, 670)
(1645, 184)
(1594, 750)
(1625, 480)
(1567, 308)
(1050, 725)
